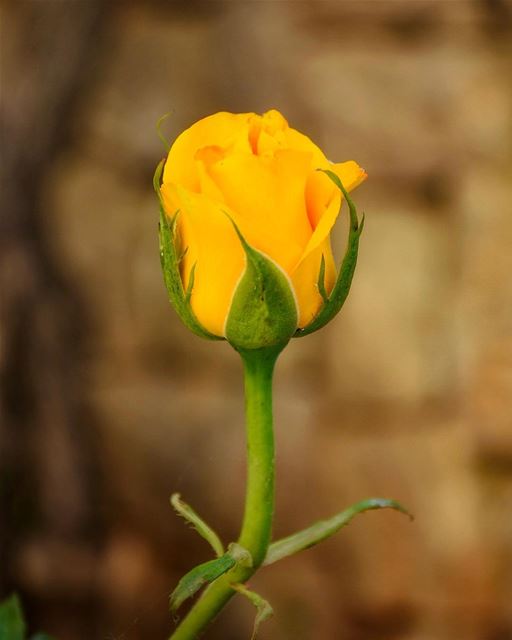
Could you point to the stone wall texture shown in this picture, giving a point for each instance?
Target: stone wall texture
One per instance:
(407, 394)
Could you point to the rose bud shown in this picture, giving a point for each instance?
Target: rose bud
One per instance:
(247, 208)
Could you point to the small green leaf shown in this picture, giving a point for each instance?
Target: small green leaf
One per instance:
(207, 572)
(12, 624)
(334, 302)
(264, 610)
(326, 528)
(199, 525)
(198, 577)
(170, 259)
(263, 311)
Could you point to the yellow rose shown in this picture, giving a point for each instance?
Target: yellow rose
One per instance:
(262, 175)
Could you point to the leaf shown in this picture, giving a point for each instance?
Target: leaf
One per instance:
(199, 525)
(207, 572)
(12, 624)
(326, 528)
(341, 289)
(198, 577)
(170, 261)
(263, 311)
(264, 610)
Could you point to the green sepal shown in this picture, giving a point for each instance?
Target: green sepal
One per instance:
(204, 530)
(321, 281)
(334, 301)
(326, 528)
(207, 572)
(159, 132)
(170, 260)
(12, 624)
(263, 609)
(263, 311)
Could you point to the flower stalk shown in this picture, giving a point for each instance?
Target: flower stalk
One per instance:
(256, 530)
(246, 256)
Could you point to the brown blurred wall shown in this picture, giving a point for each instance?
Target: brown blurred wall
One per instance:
(109, 404)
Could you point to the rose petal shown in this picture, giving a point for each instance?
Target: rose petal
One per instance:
(266, 196)
(214, 247)
(226, 130)
(319, 191)
(300, 142)
(305, 281)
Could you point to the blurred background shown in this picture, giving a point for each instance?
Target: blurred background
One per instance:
(109, 404)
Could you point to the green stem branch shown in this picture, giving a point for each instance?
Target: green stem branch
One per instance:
(259, 502)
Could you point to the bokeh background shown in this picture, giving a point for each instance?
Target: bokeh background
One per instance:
(109, 404)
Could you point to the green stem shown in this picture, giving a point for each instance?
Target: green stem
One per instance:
(259, 501)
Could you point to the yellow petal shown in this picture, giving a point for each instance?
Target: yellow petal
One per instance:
(320, 192)
(305, 281)
(266, 196)
(351, 175)
(267, 132)
(215, 249)
(273, 122)
(226, 130)
(186, 241)
(327, 201)
(320, 189)
(300, 142)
